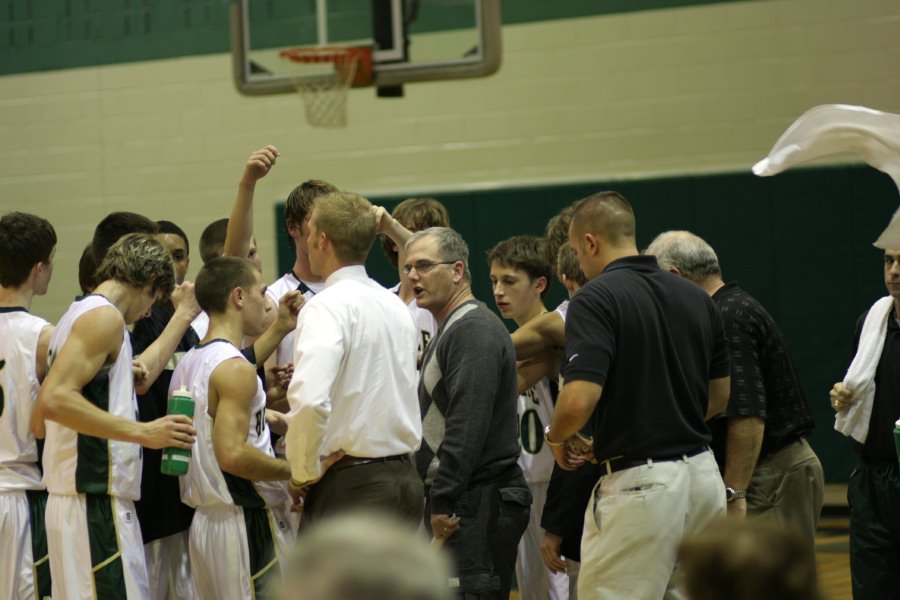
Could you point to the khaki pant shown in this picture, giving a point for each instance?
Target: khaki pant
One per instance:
(635, 522)
(788, 487)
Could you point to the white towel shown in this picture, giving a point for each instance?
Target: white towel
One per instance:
(860, 377)
(838, 128)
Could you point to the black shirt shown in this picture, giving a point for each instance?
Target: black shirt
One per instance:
(160, 510)
(879, 446)
(653, 341)
(764, 381)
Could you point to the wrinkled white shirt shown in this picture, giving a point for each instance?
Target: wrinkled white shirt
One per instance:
(354, 383)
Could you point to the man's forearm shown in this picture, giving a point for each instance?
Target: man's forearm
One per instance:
(745, 436)
(543, 333)
(268, 342)
(250, 463)
(157, 354)
(574, 407)
(74, 411)
(240, 222)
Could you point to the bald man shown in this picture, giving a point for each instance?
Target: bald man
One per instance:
(647, 363)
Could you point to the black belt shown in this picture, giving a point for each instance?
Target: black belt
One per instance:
(620, 463)
(353, 461)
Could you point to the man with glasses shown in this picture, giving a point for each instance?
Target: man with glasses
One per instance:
(477, 501)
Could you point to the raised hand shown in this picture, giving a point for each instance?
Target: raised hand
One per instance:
(259, 164)
(185, 301)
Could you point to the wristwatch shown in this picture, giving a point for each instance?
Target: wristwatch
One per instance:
(547, 439)
(732, 494)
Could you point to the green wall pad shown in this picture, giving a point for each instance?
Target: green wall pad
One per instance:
(801, 242)
(43, 35)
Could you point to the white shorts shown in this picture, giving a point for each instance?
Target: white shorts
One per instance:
(23, 561)
(96, 550)
(169, 568)
(237, 553)
(535, 580)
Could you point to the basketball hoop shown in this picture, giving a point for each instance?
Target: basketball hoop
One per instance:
(326, 74)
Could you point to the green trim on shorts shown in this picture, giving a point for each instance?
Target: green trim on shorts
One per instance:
(264, 568)
(243, 492)
(106, 555)
(40, 568)
(92, 471)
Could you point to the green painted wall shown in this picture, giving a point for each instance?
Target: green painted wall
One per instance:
(41, 35)
(800, 242)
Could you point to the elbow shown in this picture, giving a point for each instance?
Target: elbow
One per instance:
(48, 405)
(229, 461)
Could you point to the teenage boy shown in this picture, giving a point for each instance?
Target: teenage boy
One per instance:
(27, 244)
(240, 531)
(92, 455)
(520, 278)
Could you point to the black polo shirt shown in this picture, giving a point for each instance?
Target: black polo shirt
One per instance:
(653, 341)
(764, 381)
(879, 446)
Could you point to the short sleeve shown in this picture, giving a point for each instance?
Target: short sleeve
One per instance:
(590, 339)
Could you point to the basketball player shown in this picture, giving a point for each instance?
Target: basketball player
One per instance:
(520, 278)
(410, 216)
(240, 531)
(297, 209)
(92, 456)
(27, 245)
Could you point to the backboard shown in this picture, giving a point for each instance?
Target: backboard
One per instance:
(412, 40)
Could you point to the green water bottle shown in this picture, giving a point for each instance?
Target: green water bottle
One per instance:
(897, 438)
(175, 461)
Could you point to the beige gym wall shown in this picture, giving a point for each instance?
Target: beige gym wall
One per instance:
(686, 90)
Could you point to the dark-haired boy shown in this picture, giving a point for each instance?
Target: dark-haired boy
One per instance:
(27, 245)
(92, 455)
(164, 519)
(520, 278)
(408, 217)
(240, 531)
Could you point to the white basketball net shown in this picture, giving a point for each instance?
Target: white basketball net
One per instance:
(324, 89)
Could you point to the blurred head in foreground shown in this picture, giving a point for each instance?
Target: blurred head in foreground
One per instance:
(364, 557)
(748, 560)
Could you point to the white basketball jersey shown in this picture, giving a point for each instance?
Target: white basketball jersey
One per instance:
(287, 283)
(19, 333)
(426, 326)
(206, 484)
(535, 410)
(562, 309)
(75, 463)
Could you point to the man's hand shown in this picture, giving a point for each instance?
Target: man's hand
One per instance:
(288, 307)
(550, 552)
(259, 164)
(382, 219)
(443, 526)
(277, 421)
(169, 431)
(184, 300)
(280, 375)
(573, 454)
(299, 491)
(841, 397)
(139, 371)
(737, 508)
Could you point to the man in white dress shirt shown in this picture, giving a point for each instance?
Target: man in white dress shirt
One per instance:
(354, 385)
